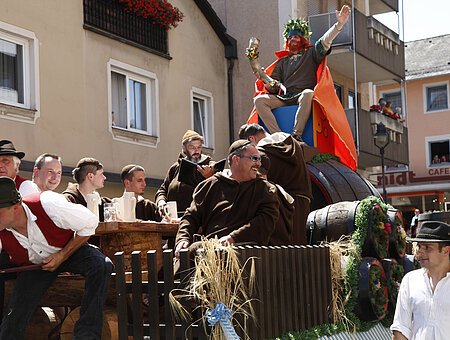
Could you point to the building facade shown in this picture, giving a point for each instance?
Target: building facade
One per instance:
(425, 183)
(87, 78)
(366, 54)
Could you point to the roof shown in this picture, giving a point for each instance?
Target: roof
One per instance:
(218, 27)
(427, 57)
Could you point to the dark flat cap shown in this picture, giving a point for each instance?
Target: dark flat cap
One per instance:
(7, 149)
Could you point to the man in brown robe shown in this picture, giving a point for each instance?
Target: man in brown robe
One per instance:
(172, 189)
(288, 169)
(235, 205)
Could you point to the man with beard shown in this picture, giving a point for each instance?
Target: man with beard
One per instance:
(423, 306)
(172, 189)
(235, 205)
(295, 73)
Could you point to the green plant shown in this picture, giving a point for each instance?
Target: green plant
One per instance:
(323, 157)
(397, 273)
(378, 289)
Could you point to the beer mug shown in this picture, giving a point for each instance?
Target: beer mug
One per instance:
(170, 210)
(110, 212)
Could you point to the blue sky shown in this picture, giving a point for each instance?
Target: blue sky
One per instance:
(423, 19)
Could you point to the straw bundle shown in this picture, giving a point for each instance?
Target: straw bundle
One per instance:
(218, 277)
(339, 252)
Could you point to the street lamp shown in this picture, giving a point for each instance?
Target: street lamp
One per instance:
(381, 140)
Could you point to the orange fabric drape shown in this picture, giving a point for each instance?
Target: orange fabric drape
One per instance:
(332, 133)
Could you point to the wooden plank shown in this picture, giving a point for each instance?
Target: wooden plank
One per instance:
(122, 315)
(185, 274)
(153, 296)
(136, 293)
(165, 229)
(294, 288)
(168, 286)
(287, 291)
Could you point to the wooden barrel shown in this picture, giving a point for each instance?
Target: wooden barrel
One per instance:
(110, 324)
(334, 182)
(373, 292)
(331, 222)
(41, 324)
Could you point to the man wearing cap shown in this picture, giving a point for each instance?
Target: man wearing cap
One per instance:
(9, 166)
(133, 179)
(45, 230)
(235, 205)
(47, 172)
(174, 190)
(89, 177)
(423, 304)
(288, 169)
(295, 73)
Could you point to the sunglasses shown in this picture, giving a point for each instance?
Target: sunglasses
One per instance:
(252, 158)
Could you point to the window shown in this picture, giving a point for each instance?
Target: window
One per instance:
(438, 151)
(133, 103)
(436, 97)
(338, 91)
(351, 99)
(395, 98)
(202, 115)
(18, 73)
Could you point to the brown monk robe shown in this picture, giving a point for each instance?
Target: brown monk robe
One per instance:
(288, 169)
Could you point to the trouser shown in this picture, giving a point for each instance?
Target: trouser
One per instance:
(264, 104)
(31, 286)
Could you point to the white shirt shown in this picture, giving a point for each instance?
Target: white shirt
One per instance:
(28, 187)
(64, 214)
(421, 314)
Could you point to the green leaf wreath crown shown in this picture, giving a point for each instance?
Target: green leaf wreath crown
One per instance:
(299, 25)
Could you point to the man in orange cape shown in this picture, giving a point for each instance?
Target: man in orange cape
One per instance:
(299, 69)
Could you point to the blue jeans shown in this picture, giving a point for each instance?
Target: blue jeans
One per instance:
(32, 285)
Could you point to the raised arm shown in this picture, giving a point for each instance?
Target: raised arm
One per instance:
(342, 18)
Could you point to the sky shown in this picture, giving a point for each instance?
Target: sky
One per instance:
(423, 19)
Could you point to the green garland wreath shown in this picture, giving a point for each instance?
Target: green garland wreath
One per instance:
(298, 24)
(377, 285)
(351, 281)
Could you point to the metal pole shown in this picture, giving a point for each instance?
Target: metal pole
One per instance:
(382, 173)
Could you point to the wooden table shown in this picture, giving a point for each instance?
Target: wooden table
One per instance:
(67, 290)
(131, 236)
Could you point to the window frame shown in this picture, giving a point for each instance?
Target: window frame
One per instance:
(429, 157)
(425, 96)
(150, 137)
(390, 92)
(29, 110)
(207, 98)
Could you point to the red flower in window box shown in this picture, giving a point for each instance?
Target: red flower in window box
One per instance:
(160, 12)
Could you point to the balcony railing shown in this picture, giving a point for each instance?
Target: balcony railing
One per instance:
(373, 41)
(108, 17)
(397, 150)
